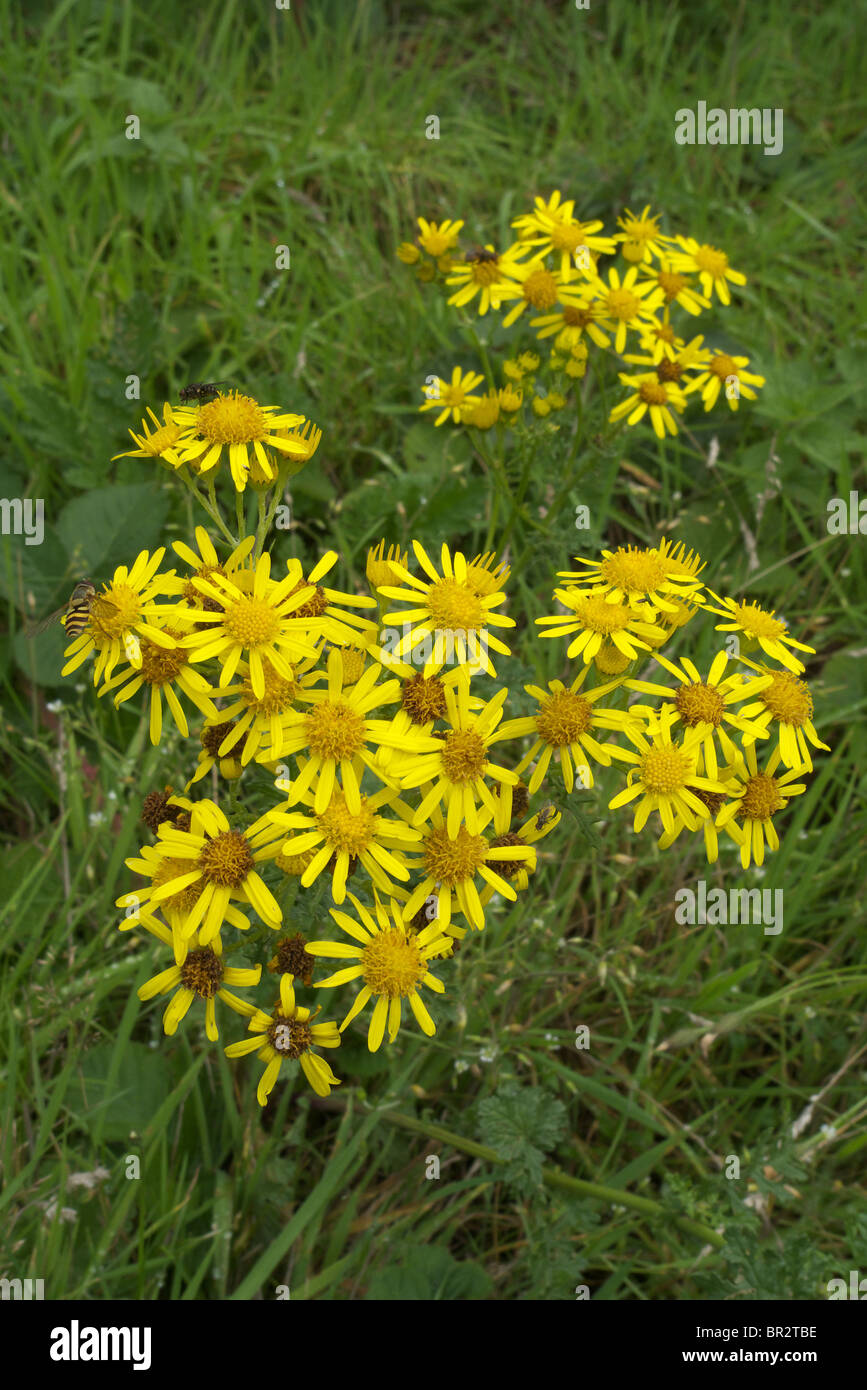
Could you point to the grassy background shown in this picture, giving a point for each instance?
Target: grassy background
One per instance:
(155, 257)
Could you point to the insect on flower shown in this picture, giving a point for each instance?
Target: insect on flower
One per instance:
(74, 613)
(480, 255)
(200, 390)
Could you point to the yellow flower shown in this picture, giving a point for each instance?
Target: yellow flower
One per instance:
(221, 866)
(452, 398)
(706, 705)
(650, 394)
(754, 799)
(481, 273)
(201, 975)
(785, 703)
(447, 606)
(761, 627)
(242, 428)
(582, 315)
(122, 613)
(598, 619)
(328, 604)
(162, 443)
(340, 838)
(379, 564)
(648, 578)
(162, 668)
(337, 733)
(711, 266)
(640, 233)
(533, 828)
(459, 764)
(451, 864)
(676, 289)
(288, 1034)
(630, 303)
(552, 227)
(723, 371)
(565, 725)
(392, 963)
(438, 239)
(260, 623)
(665, 778)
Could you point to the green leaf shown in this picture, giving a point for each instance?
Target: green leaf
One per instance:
(428, 1272)
(110, 525)
(139, 1086)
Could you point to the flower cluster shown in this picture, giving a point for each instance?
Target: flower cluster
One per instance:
(694, 758)
(560, 272)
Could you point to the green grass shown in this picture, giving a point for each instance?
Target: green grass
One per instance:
(155, 257)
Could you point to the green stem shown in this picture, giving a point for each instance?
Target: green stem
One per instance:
(208, 504)
(552, 1177)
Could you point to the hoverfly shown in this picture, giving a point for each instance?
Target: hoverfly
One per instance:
(74, 613)
(479, 255)
(200, 390)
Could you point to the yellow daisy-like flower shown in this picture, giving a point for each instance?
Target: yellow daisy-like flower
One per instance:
(630, 303)
(221, 860)
(484, 414)
(288, 1034)
(710, 264)
(241, 428)
(161, 443)
(340, 838)
(761, 627)
(454, 397)
(572, 320)
(379, 564)
(177, 895)
(338, 734)
(422, 702)
(161, 669)
(510, 399)
(121, 614)
(785, 706)
(648, 578)
(754, 799)
(304, 439)
(533, 286)
(448, 608)
(705, 705)
(201, 975)
(222, 744)
(459, 764)
(485, 575)
(552, 227)
(437, 239)
(665, 778)
(259, 623)
(408, 253)
(532, 829)
(392, 963)
(671, 359)
(640, 238)
(451, 865)
(650, 394)
(730, 374)
(714, 801)
(206, 562)
(598, 619)
(676, 289)
(565, 725)
(480, 274)
(328, 605)
(256, 722)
